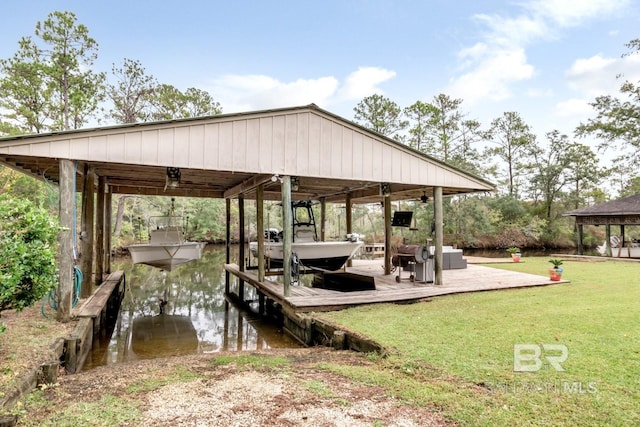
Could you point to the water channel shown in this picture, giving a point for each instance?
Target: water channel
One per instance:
(185, 312)
(182, 312)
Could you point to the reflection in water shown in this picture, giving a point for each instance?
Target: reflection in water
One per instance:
(182, 312)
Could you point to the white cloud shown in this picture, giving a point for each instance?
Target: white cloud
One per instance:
(591, 77)
(572, 108)
(255, 92)
(565, 13)
(364, 82)
(596, 75)
(491, 76)
(492, 65)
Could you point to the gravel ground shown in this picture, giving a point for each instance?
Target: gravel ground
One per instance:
(232, 394)
(196, 391)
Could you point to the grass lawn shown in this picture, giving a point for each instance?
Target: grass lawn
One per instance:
(456, 353)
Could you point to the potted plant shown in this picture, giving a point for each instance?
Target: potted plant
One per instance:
(515, 253)
(555, 273)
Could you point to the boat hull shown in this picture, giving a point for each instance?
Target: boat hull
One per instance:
(618, 249)
(166, 256)
(316, 255)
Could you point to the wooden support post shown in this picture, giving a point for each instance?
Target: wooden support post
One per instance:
(86, 237)
(65, 239)
(261, 298)
(437, 207)
(339, 340)
(242, 238)
(108, 229)
(323, 218)
(387, 234)
(607, 240)
(287, 233)
(580, 239)
(260, 229)
(227, 276)
(349, 220)
(100, 215)
(50, 372)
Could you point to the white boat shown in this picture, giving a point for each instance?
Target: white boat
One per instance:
(620, 251)
(310, 252)
(166, 248)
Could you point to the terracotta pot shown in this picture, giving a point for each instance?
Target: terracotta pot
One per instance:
(555, 275)
(516, 257)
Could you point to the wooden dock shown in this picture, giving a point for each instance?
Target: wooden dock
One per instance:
(474, 278)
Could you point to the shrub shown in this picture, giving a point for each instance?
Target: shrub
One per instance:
(28, 242)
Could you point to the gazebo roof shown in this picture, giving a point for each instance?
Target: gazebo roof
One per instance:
(624, 211)
(627, 206)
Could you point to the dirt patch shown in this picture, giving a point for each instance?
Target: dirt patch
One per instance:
(25, 345)
(200, 390)
(234, 394)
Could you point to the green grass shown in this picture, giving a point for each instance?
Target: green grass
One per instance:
(251, 361)
(457, 352)
(108, 411)
(162, 378)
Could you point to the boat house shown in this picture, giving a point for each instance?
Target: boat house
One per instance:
(294, 153)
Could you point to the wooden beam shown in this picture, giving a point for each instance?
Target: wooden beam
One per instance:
(580, 239)
(86, 237)
(260, 229)
(287, 234)
(65, 240)
(437, 207)
(349, 220)
(387, 234)
(100, 215)
(156, 191)
(242, 241)
(323, 218)
(248, 185)
(108, 230)
(227, 278)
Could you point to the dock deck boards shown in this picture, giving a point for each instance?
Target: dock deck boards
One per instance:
(97, 301)
(474, 278)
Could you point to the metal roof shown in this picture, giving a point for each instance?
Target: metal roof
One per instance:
(228, 154)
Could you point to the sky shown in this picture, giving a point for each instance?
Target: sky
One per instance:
(545, 59)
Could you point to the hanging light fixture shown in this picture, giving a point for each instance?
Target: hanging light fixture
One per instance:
(173, 178)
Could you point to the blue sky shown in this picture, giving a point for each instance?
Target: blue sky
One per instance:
(545, 59)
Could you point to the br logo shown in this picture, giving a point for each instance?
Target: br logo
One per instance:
(529, 357)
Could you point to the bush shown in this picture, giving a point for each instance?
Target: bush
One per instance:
(28, 242)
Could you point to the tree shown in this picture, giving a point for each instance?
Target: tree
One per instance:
(28, 238)
(419, 114)
(514, 145)
(48, 85)
(617, 122)
(582, 171)
(381, 115)
(132, 93)
(76, 90)
(24, 94)
(439, 129)
(168, 103)
(548, 176)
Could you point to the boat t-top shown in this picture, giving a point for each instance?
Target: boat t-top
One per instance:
(166, 248)
(310, 252)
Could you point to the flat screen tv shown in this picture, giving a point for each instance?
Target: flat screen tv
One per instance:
(402, 219)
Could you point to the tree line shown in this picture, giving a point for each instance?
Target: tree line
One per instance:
(50, 84)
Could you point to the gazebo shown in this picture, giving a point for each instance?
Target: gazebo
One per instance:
(621, 212)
